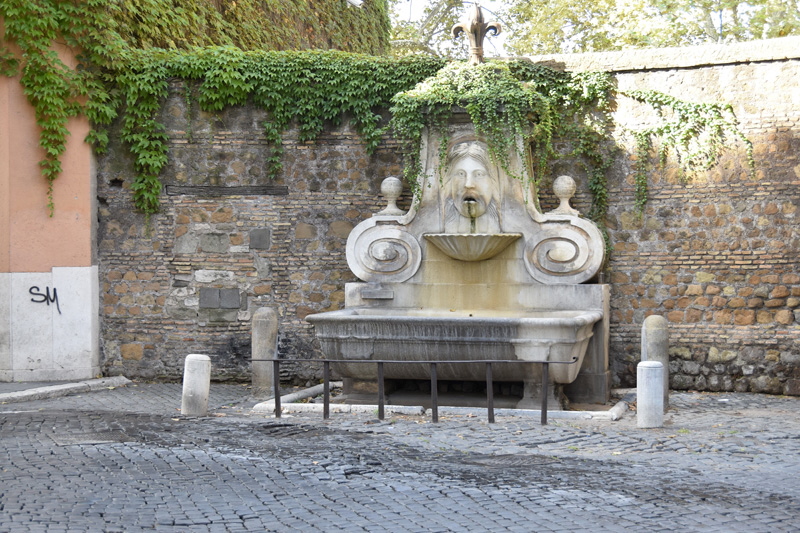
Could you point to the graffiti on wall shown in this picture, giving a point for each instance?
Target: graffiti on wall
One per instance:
(45, 297)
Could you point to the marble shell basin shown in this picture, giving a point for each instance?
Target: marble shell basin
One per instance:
(443, 335)
(472, 246)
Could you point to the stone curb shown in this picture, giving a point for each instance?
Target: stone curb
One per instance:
(56, 391)
(534, 413)
(303, 408)
(348, 408)
(288, 407)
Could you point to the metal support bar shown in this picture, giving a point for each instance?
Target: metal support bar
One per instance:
(545, 387)
(326, 390)
(276, 381)
(434, 394)
(434, 383)
(489, 393)
(381, 395)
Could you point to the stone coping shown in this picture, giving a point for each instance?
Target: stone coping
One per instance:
(613, 414)
(54, 391)
(288, 407)
(683, 57)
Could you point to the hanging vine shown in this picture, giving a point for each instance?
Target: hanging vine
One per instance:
(510, 101)
(128, 55)
(311, 88)
(115, 35)
(55, 90)
(695, 133)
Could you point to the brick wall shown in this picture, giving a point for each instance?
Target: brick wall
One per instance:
(716, 256)
(228, 241)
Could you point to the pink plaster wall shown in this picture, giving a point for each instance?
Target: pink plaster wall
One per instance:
(30, 240)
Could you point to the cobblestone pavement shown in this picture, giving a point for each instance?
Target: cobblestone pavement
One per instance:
(125, 460)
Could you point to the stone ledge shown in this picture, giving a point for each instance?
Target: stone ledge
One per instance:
(676, 58)
(209, 190)
(56, 391)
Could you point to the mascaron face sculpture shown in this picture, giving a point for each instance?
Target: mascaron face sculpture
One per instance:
(471, 190)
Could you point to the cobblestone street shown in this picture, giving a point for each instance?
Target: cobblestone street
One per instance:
(125, 460)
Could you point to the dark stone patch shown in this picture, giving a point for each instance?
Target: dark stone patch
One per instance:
(260, 239)
(210, 299)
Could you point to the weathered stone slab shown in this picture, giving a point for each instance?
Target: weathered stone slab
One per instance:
(209, 190)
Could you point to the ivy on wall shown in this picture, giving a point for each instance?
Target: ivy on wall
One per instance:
(130, 49)
(539, 105)
(310, 88)
(515, 101)
(56, 91)
(252, 24)
(695, 133)
(110, 34)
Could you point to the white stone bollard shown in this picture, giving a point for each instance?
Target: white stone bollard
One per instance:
(649, 394)
(655, 347)
(264, 345)
(196, 385)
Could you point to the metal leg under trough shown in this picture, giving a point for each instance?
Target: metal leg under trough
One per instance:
(434, 385)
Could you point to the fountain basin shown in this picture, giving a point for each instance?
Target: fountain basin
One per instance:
(442, 335)
(472, 246)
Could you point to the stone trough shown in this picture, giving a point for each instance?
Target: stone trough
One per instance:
(441, 335)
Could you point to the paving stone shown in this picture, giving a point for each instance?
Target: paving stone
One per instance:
(715, 466)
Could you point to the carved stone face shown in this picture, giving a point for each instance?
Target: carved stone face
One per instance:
(471, 187)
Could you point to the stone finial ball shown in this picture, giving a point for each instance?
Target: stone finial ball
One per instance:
(391, 187)
(564, 187)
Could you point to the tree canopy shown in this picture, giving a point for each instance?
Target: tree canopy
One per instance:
(563, 26)
(599, 25)
(417, 29)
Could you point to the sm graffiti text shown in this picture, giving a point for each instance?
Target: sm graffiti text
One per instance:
(45, 297)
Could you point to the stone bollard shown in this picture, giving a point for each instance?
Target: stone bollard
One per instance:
(196, 385)
(649, 394)
(655, 347)
(264, 346)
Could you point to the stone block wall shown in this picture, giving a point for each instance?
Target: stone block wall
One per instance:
(228, 241)
(717, 256)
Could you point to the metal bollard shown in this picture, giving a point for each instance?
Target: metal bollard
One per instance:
(196, 385)
(649, 394)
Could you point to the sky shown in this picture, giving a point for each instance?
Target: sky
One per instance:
(493, 46)
(413, 8)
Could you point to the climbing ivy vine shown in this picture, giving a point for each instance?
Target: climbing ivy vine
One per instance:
(311, 88)
(116, 36)
(695, 133)
(56, 91)
(541, 106)
(582, 116)
(515, 101)
(502, 110)
(227, 56)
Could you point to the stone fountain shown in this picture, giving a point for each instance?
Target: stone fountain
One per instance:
(472, 272)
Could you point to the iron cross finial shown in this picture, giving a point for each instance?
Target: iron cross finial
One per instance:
(476, 29)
